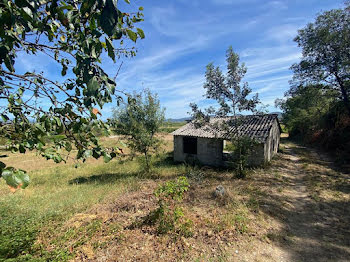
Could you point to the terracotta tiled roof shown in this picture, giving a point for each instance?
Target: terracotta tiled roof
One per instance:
(254, 126)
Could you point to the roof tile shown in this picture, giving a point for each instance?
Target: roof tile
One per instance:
(255, 126)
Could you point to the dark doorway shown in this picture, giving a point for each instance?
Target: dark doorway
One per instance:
(190, 145)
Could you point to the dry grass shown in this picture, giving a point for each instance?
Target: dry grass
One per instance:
(85, 214)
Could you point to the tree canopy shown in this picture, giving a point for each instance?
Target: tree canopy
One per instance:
(54, 116)
(326, 53)
(139, 120)
(316, 108)
(304, 110)
(232, 97)
(227, 90)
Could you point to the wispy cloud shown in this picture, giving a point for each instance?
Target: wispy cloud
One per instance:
(182, 37)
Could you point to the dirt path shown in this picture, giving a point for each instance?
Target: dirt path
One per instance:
(312, 208)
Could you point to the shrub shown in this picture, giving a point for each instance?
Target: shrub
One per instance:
(241, 149)
(139, 120)
(169, 216)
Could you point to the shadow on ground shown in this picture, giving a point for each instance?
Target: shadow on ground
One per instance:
(315, 228)
(103, 178)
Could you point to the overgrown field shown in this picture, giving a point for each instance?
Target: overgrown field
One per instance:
(295, 208)
(169, 127)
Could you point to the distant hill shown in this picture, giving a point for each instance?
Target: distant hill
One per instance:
(176, 120)
(183, 119)
(279, 114)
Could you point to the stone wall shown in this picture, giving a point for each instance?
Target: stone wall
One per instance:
(272, 142)
(209, 151)
(257, 157)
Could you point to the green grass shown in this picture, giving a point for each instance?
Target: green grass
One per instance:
(169, 127)
(53, 197)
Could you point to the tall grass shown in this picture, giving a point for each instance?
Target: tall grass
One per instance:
(54, 196)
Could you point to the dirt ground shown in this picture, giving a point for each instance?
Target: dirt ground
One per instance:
(313, 207)
(295, 209)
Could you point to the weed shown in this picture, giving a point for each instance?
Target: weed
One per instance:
(315, 196)
(169, 217)
(277, 175)
(253, 204)
(194, 173)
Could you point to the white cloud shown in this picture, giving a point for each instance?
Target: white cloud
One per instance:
(280, 5)
(283, 33)
(231, 2)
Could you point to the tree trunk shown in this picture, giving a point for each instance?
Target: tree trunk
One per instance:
(345, 98)
(146, 160)
(344, 93)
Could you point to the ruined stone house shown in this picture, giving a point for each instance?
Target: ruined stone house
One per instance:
(206, 143)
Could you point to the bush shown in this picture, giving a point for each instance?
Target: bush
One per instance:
(241, 148)
(139, 121)
(169, 216)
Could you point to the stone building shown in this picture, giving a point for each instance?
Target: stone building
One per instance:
(206, 143)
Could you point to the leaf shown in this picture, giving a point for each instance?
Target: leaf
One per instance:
(127, 1)
(96, 153)
(93, 86)
(15, 178)
(96, 112)
(4, 117)
(23, 176)
(64, 70)
(132, 35)
(141, 33)
(28, 11)
(110, 48)
(107, 157)
(68, 146)
(63, 38)
(9, 64)
(2, 166)
(109, 17)
(22, 149)
(87, 153)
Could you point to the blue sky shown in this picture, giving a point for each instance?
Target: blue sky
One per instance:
(183, 36)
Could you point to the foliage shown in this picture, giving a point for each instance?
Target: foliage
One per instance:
(304, 109)
(140, 119)
(316, 108)
(74, 34)
(194, 173)
(232, 97)
(169, 215)
(241, 149)
(230, 94)
(172, 190)
(318, 117)
(326, 48)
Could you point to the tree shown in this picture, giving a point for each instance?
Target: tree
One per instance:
(74, 34)
(232, 97)
(139, 120)
(326, 54)
(304, 109)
